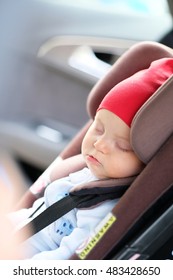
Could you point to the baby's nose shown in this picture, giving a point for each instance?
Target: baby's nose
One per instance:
(102, 145)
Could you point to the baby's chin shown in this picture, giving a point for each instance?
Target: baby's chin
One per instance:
(99, 176)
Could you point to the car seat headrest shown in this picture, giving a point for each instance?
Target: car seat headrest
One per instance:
(153, 123)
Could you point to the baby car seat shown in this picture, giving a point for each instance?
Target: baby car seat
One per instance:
(152, 141)
(138, 57)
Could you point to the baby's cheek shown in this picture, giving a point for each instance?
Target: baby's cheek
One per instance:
(119, 167)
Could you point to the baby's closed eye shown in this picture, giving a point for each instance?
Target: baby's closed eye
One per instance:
(123, 145)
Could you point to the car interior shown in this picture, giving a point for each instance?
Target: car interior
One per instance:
(52, 71)
(143, 223)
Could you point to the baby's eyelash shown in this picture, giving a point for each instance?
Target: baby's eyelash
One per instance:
(124, 150)
(99, 128)
(122, 147)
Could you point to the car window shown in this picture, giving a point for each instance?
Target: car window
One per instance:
(122, 6)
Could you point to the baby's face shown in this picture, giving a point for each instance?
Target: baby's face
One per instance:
(106, 148)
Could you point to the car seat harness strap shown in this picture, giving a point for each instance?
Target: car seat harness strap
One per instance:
(83, 198)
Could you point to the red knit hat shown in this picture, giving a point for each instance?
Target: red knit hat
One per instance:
(126, 98)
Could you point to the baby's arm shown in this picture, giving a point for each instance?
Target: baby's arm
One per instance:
(58, 169)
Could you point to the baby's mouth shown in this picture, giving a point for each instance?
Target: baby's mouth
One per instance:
(92, 159)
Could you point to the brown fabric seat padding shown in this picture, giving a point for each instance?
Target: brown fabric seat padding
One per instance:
(153, 123)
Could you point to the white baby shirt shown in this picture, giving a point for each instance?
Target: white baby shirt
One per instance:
(60, 239)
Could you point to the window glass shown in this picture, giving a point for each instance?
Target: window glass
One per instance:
(121, 6)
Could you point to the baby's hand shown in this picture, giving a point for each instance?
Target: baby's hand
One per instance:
(41, 183)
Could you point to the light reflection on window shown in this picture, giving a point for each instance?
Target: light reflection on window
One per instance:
(121, 6)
